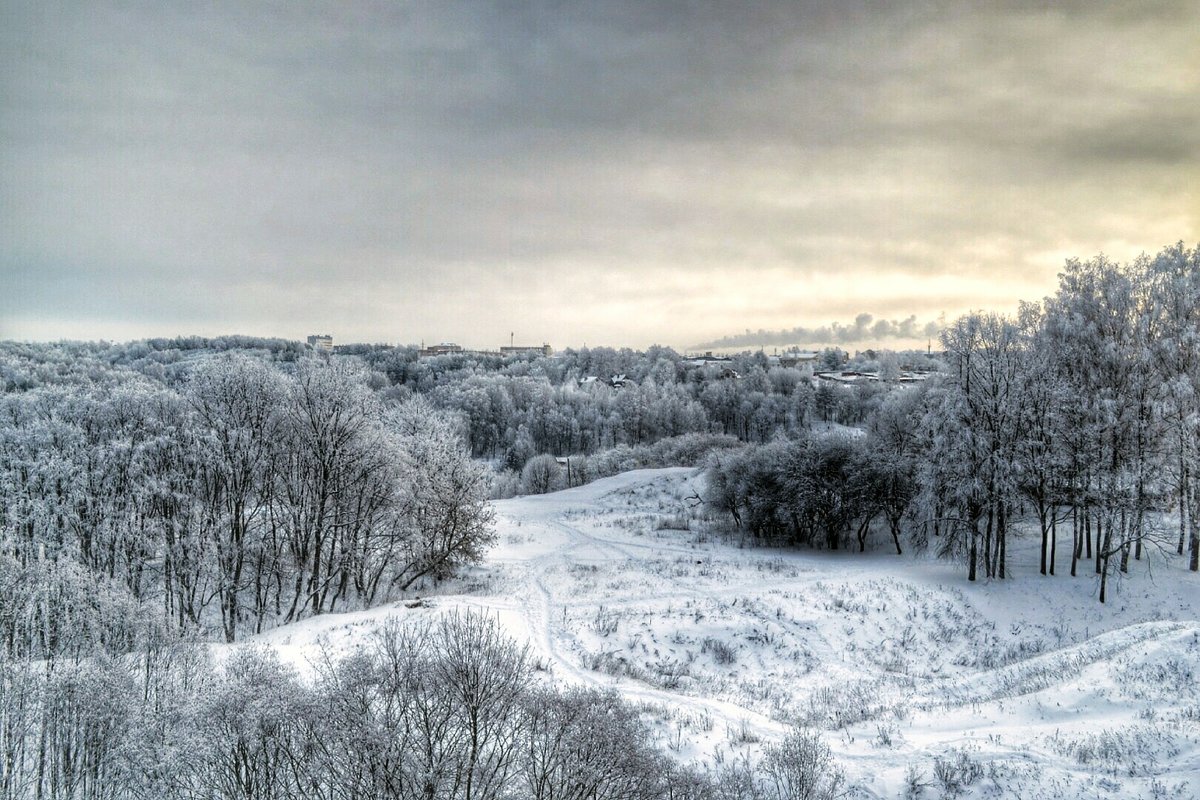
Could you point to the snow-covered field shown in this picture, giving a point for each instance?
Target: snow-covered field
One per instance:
(922, 683)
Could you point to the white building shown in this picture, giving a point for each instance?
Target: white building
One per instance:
(321, 342)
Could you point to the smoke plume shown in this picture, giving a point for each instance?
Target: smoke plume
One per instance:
(864, 328)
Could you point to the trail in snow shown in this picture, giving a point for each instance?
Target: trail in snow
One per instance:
(541, 606)
(583, 574)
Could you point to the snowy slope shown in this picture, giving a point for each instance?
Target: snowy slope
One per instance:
(1024, 688)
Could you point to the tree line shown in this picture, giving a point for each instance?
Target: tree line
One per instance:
(233, 484)
(151, 499)
(517, 407)
(246, 497)
(1079, 414)
(445, 709)
(517, 412)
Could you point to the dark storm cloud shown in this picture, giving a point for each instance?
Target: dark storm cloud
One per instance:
(399, 171)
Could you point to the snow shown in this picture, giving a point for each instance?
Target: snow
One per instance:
(898, 660)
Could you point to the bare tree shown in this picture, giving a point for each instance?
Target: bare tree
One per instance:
(443, 496)
(237, 400)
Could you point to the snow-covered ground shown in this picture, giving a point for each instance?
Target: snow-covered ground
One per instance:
(1024, 688)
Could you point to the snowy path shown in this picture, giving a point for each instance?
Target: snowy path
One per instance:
(542, 602)
(723, 646)
(1021, 715)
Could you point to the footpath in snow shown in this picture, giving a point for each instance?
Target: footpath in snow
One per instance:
(903, 665)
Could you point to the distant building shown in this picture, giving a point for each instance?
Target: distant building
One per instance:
(849, 376)
(443, 349)
(794, 358)
(322, 342)
(846, 376)
(452, 349)
(707, 359)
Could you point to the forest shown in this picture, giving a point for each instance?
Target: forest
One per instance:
(162, 494)
(1078, 415)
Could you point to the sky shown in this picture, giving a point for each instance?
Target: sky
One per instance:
(601, 173)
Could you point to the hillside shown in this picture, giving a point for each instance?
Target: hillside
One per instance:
(1020, 688)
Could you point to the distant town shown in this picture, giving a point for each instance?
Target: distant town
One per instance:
(324, 342)
(807, 360)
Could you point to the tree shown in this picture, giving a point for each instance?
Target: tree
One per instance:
(485, 675)
(832, 358)
(252, 726)
(977, 428)
(886, 470)
(1040, 459)
(442, 498)
(541, 474)
(585, 744)
(332, 485)
(1100, 316)
(801, 767)
(1174, 277)
(238, 401)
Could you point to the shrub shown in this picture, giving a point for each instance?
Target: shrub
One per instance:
(957, 771)
(801, 767)
(722, 652)
(541, 474)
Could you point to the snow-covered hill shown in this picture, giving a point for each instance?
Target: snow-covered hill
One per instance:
(920, 682)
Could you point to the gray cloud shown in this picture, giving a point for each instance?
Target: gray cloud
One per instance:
(441, 170)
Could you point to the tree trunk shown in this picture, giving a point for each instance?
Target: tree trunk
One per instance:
(1126, 537)
(1195, 531)
(1102, 555)
(974, 557)
(1183, 498)
(1053, 535)
(229, 614)
(1075, 543)
(1139, 519)
(989, 568)
(1002, 533)
(1087, 530)
(1045, 532)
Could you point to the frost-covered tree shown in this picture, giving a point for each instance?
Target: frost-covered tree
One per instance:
(971, 479)
(442, 496)
(585, 744)
(332, 482)
(1174, 276)
(238, 403)
(800, 767)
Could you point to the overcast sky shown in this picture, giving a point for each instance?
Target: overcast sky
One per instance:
(577, 172)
